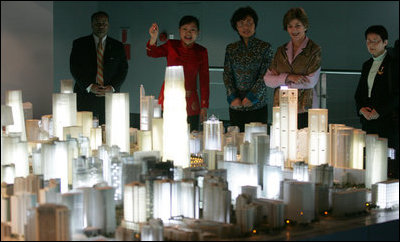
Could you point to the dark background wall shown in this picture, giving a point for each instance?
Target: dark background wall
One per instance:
(338, 26)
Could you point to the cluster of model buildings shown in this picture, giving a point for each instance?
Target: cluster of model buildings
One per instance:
(64, 176)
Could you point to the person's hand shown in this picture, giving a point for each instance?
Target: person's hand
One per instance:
(153, 31)
(246, 102)
(296, 79)
(236, 102)
(96, 89)
(366, 112)
(374, 114)
(203, 115)
(107, 89)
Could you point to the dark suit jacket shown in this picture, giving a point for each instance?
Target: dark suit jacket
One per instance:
(382, 97)
(83, 65)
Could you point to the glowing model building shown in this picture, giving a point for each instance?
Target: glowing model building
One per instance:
(288, 122)
(117, 120)
(343, 140)
(230, 152)
(300, 171)
(333, 143)
(272, 178)
(162, 199)
(146, 110)
(185, 198)
(135, 202)
(157, 134)
(376, 159)
(299, 198)
(239, 174)
(74, 202)
(85, 120)
(275, 128)
(259, 146)
(357, 149)
(317, 136)
(195, 141)
(14, 100)
(64, 112)
(386, 194)
(213, 133)
(176, 130)
(217, 200)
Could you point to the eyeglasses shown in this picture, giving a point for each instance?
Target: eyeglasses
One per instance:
(242, 23)
(373, 41)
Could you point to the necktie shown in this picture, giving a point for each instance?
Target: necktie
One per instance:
(100, 51)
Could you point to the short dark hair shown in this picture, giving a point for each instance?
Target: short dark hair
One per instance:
(189, 19)
(295, 13)
(99, 13)
(241, 14)
(379, 30)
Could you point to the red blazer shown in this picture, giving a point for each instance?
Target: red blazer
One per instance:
(194, 60)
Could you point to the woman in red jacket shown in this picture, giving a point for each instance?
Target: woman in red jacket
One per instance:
(194, 59)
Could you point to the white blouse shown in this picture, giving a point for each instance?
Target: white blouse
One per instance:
(374, 69)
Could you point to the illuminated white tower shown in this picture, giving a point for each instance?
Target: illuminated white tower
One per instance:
(343, 140)
(357, 149)
(175, 131)
(117, 120)
(332, 143)
(135, 202)
(213, 133)
(217, 200)
(317, 136)
(162, 199)
(85, 119)
(275, 128)
(64, 112)
(288, 122)
(157, 134)
(386, 194)
(376, 150)
(14, 100)
(146, 110)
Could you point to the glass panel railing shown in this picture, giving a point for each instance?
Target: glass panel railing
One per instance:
(335, 91)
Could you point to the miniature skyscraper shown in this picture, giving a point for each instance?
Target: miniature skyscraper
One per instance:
(175, 132)
(117, 120)
(288, 122)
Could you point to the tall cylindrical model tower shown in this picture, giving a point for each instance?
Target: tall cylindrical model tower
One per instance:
(64, 112)
(175, 132)
(213, 133)
(117, 120)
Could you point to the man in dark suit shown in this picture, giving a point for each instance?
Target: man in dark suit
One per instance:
(98, 64)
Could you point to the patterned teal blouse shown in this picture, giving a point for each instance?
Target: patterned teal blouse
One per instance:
(244, 69)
